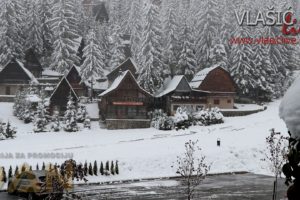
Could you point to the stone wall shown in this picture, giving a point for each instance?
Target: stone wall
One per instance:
(112, 124)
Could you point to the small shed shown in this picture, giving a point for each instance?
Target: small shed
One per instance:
(219, 83)
(125, 104)
(59, 97)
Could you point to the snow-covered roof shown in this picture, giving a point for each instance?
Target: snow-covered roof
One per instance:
(64, 78)
(97, 85)
(118, 81)
(170, 85)
(200, 76)
(49, 72)
(129, 59)
(28, 73)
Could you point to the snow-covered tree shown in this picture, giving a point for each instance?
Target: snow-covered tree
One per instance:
(150, 73)
(64, 27)
(70, 116)
(81, 114)
(34, 38)
(11, 33)
(117, 48)
(93, 64)
(56, 122)
(41, 116)
(218, 56)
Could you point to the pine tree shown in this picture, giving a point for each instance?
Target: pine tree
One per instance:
(4, 178)
(207, 30)
(112, 168)
(10, 132)
(101, 169)
(90, 170)
(85, 169)
(117, 167)
(64, 27)
(150, 73)
(117, 48)
(11, 41)
(70, 116)
(41, 116)
(107, 166)
(10, 172)
(30, 168)
(37, 167)
(93, 64)
(17, 171)
(95, 168)
(43, 166)
(34, 39)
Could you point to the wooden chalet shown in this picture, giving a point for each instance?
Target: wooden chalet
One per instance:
(59, 98)
(128, 64)
(15, 76)
(32, 63)
(74, 78)
(125, 104)
(178, 93)
(219, 83)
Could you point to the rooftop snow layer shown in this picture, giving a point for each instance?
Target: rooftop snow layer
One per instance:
(28, 73)
(170, 86)
(200, 76)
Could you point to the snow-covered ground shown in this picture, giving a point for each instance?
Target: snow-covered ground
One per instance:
(144, 153)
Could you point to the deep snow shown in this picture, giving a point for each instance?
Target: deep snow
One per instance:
(144, 153)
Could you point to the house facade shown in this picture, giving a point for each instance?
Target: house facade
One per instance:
(178, 93)
(219, 83)
(14, 77)
(125, 104)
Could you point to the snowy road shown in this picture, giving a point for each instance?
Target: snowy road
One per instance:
(220, 187)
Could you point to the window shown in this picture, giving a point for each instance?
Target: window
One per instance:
(7, 90)
(229, 101)
(217, 101)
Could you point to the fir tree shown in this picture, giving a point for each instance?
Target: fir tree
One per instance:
(95, 168)
(150, 76)
(37, 167)
(90, 169)
(10, 132)
(17, 171)
(93, 64)
(4, 178)
(117, 48)
(107, 166)
(112, 168)
(10, 172)
(41, 116)
(70, 116)
(85, 168)
(43, 166)
(101, 169)
(64, 27)
(117, 168)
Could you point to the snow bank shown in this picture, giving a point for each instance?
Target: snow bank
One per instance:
(289, 109)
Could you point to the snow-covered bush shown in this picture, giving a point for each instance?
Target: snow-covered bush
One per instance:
(161, 121)
(6, 131)
(55, 122)
(208, 116)
(70, 116)
(81, 114)
(181, 119)
(87, 122)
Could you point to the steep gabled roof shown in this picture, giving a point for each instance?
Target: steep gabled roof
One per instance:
(201, 75)
(128, 62)
(23, 68)
(64, 79)
(172, 85)
(118, 81)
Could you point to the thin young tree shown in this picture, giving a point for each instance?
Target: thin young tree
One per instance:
(193, 170)
(276, 155)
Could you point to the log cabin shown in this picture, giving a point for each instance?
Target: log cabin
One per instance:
(125, 104)
(219, 83)
(128, 64)
(177, 92)
(15, 76)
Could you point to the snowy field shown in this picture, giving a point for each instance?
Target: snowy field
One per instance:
(145, 153)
